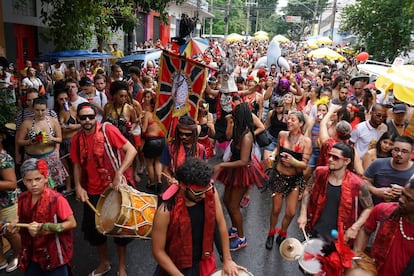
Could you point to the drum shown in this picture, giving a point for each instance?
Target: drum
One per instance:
(126, 213)
(11, 129)
(308, 261)
(241, 273)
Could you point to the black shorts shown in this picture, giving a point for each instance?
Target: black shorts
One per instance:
(89, 227)
(153, 146)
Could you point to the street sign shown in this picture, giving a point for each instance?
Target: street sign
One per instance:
(293, 19)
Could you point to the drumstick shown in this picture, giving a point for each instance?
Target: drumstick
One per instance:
(304, 234)
(23, 225)
(169, 178)
(93, 207)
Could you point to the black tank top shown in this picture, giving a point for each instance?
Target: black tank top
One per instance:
(296, 155)
(196, 213)
(276, 125)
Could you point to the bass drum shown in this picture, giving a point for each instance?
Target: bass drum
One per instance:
(241, 273)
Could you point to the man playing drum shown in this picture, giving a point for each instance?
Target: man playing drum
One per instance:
(337, 197)
(183, 228)
(93, 173)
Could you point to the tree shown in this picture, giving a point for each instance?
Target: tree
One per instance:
(308, 10)
(71, 24)
(383, 26)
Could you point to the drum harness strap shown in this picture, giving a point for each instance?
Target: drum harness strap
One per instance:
(114, 159)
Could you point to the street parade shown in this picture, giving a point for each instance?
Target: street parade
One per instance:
(160, 148)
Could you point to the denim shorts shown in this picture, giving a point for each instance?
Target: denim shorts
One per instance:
(272, 145)
(314, 157)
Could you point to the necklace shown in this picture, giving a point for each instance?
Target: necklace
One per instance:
(402, 232)
(293, 138)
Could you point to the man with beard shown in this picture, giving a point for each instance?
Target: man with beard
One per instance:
(183, 229)
(367, 133)
(393, 247)
(338, 198)
(387, 176)
(93, 173)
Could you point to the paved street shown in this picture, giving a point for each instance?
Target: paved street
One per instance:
(255, 257)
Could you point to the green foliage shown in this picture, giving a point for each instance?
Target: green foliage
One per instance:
(383, 26)
(7, 105)
(71, 24)
(308, 10)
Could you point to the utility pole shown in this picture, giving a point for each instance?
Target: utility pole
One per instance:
(333, 19)
(257, 19)
(226, 18)
(315, 13)
(248, 4)
(211, 19)
(248, 17)
(198, 22)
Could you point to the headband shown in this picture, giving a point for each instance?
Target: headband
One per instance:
(187, 126)
(174, 188)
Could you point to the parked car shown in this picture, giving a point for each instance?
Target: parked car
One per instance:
(140, 59)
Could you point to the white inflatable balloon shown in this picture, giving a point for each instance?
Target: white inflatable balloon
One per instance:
(261, 63)
(283, 63)
(273, 53)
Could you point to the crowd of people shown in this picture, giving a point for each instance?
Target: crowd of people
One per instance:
(320, 137)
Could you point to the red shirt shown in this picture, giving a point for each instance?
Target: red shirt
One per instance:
(401, 249)
(115, 138)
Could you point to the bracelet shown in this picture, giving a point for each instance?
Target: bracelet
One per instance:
(45, 226)
(52, 227)
(295, 162)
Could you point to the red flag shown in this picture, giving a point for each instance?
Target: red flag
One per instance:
(180, 87)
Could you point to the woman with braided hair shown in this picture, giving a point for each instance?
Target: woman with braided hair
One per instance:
(241, 172)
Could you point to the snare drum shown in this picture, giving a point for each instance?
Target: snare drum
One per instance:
(126, 213)
(308, 261)
(241, 273)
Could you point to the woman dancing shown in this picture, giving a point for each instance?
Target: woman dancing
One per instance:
(292, 155)
(239, 173)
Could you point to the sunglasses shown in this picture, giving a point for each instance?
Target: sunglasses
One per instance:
(403, 151)
(89, 116)
(335, 157)
(185, 134)
(199, 193)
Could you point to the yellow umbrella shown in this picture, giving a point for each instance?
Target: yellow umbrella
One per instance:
(261, 33)
(325, 53)
(261, 37)
(234, 37)
(311, 43)
(280, 38)
(323, 40)
(400, 79)
(347, 50)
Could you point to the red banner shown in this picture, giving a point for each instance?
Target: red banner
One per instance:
(180, 87)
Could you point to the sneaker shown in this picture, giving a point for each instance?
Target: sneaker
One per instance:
(237, 243)
(233, 233)
(280, 239)
(66, 193)
(13, 264)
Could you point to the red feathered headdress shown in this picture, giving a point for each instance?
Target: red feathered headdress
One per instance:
(340, 259)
